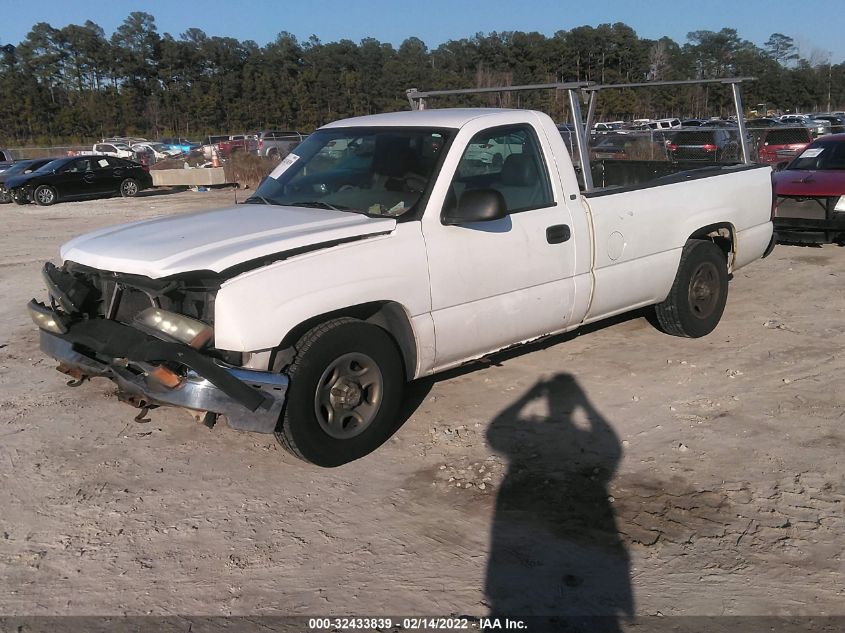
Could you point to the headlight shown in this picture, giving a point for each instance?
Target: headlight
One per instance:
(45, 318)
(181, 328)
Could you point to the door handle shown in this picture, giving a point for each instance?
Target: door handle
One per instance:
(558, 234)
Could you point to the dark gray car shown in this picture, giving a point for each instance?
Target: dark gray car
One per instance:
(277, 144)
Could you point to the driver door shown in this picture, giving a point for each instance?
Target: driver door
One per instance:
(504, 281)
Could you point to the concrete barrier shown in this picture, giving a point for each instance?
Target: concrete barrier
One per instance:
(190, 177)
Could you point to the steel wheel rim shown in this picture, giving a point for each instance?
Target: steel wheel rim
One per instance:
(348, 395)
(130, 188)
(704, 289)
(45, 195)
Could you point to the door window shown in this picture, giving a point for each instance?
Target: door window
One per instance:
(509, 160)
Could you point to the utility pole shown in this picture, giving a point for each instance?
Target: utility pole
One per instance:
(829, 55)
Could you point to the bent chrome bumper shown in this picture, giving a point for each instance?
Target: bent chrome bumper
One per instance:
(195, 392)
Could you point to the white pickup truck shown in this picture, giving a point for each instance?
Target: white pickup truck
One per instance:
(304, 311)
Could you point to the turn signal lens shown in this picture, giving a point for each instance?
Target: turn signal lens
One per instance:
(181, 328)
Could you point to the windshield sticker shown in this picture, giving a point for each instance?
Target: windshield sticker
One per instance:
(286, 164)
(812, 153)
(103, 162)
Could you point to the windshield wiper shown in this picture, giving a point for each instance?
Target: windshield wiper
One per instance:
(254, 199)
(319, 204)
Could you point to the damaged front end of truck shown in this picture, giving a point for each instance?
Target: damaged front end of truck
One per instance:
(154, 338)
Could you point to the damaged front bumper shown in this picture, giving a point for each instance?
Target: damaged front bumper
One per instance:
(251, 400)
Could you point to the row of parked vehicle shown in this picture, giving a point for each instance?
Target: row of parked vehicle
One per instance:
(271, 143)
(773, 141)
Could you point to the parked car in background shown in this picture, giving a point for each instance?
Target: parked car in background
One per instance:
(810, 193)
(763, 122)
(718, 123)
(692, 122)
(160, 151)
(6, 159)
(182, 145)
(819, 127)
(114, 148)
(79, 177)
(664, 124)
(607, 126)
(837, 121)
(713, 144)
(237, 143)
(611, 147)
(211, 142)
(20, 168)
(275, 144)
(495, 150)
(779, 145)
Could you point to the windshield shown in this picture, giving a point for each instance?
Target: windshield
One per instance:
(53, 164)
(375, 171)
(19, 167)
(821, 156)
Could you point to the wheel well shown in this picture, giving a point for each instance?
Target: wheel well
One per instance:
(722, 235)
(388, 315)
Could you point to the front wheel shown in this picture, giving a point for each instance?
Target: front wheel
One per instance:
(5, 196)
(697, 299)
(344, 395)
(45, 195)
(129, 188)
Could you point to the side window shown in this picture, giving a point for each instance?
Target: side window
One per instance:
(508, 160)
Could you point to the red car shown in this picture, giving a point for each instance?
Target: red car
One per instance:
(808, 193)
(779, 145)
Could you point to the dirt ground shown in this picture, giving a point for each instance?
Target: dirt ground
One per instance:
(614, 471)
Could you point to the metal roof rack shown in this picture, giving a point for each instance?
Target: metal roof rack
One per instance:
(417, 99)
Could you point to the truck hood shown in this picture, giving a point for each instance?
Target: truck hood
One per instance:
(216, 240)
(809, 183)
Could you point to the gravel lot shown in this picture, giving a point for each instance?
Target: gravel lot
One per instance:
(618, 470)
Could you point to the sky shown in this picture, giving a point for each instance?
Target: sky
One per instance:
(815, 26)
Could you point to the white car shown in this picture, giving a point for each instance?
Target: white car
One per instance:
(494, 150)
(119, 150)
(158, 150)
(304, 312)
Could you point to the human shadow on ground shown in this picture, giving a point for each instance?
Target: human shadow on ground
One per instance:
(555, 549)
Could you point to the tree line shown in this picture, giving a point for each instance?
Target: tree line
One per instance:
(75, 83)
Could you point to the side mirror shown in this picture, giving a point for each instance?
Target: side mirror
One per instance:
(477, 205)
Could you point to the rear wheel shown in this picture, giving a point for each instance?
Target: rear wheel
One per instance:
(45, 195)
(129, 188)
(345, 392)
(5, 196)
(697, 299)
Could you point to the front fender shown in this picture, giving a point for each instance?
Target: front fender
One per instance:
(255, 311)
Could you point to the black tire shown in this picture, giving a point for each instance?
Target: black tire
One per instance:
(306, 424)
(697, 299)
(45, 195)
(274, 154)
(129, 188)
(20, 199)
(5, 196)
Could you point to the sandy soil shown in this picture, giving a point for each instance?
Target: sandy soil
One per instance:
(619, 470)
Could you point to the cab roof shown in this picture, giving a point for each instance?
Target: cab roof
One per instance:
(436, 118)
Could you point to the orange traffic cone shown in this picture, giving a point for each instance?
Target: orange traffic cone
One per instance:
(215, 158)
